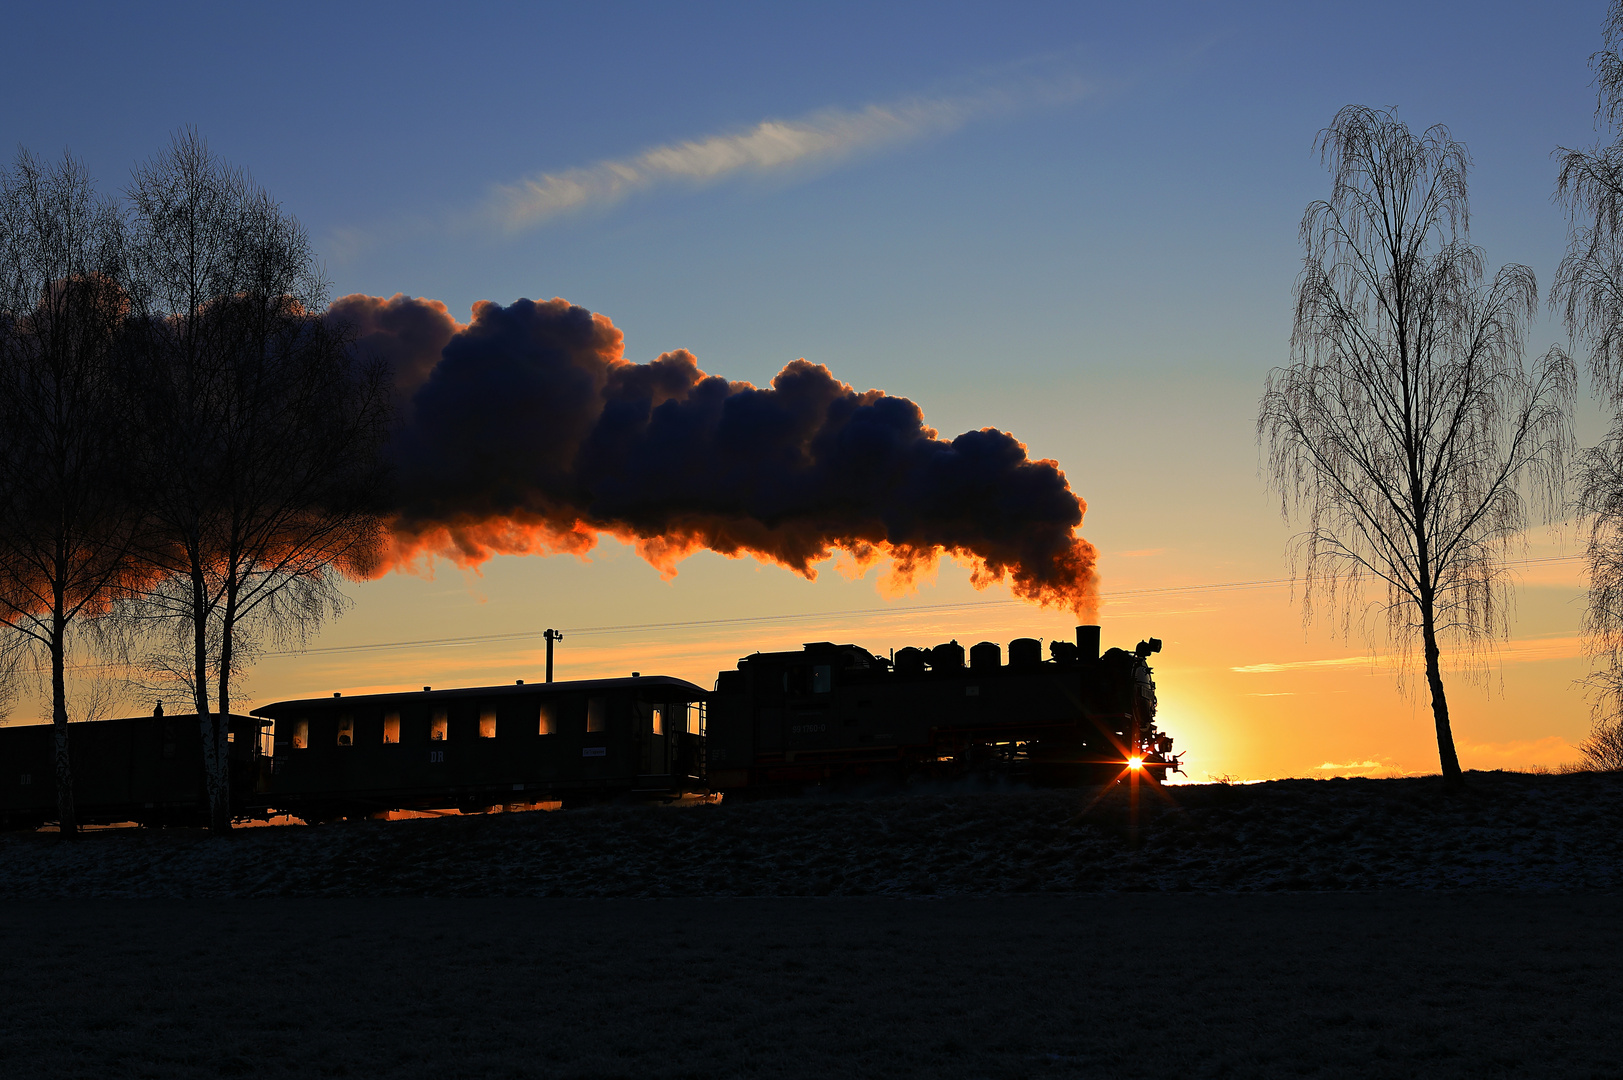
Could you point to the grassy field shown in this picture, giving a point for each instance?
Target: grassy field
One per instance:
(1331, 985)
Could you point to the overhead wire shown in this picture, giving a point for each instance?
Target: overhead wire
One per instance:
(747, 620)
(810, 616)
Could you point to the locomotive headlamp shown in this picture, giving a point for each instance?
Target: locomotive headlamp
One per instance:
(1135, 762)
(1145, 648)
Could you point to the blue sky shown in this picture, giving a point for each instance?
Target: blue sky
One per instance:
(1176, 181)
(1075, 221)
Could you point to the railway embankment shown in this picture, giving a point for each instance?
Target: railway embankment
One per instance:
(1506, 831)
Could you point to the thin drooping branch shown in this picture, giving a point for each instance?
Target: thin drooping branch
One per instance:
(260, 456)
(1408, 433)
(67, 524)
(1588, 293)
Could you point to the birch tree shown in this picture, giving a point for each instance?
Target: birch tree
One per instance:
(261, 448)
(1408, 434)
(67, 525)
(1588, 293)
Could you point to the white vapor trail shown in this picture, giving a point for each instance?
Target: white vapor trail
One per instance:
(771, 146)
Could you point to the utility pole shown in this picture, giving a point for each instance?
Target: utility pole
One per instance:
(551, 636)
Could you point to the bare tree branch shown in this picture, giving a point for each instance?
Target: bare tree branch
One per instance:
(1408, 432)
(259, 459)
(66, 521)
(1589, 294)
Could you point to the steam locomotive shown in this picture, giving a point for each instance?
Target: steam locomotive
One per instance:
(839, 714)
(776, 723)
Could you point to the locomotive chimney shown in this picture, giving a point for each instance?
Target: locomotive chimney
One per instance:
(1087, 643)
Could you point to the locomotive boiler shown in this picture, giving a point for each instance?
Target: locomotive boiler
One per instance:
(839, 714)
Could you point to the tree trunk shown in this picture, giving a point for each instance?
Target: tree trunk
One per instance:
(219, 808)
(67, 816)
(227, 624)
(1452, 777)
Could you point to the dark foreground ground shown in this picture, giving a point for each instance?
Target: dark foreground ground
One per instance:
(1298, 928)
(1359, 985)
(1507, 831)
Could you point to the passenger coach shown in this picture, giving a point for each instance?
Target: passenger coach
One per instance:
(141, 768)
(486, 746)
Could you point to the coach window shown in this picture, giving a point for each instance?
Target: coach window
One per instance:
(659, 719)
(301, 734)
(346, 730)
(391, 727)
(597, 714)
(549, 719)
(487, 723)
(438, 725)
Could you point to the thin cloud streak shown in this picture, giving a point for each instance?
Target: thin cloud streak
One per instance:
(816, 141)
(1568, 647)
(1297, 665)
(1549, 750)
(820, 139)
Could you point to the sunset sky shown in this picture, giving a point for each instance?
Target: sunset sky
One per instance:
(1075, 222)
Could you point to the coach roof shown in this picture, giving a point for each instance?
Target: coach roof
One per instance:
(684, 688)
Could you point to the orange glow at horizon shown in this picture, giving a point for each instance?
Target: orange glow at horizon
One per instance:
(1245, 689)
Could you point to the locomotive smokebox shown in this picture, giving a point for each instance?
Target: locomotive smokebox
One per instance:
(1087, 642)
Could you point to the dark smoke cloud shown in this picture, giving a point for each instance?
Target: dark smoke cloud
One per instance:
(526, 431)
(408, 334)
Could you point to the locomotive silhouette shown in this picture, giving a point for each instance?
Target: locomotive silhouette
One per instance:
(838, 713)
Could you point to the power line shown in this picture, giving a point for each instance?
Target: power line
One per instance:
(742, 620)
(817, 616)
(747, 620)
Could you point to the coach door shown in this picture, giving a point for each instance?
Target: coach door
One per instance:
(655, 734)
